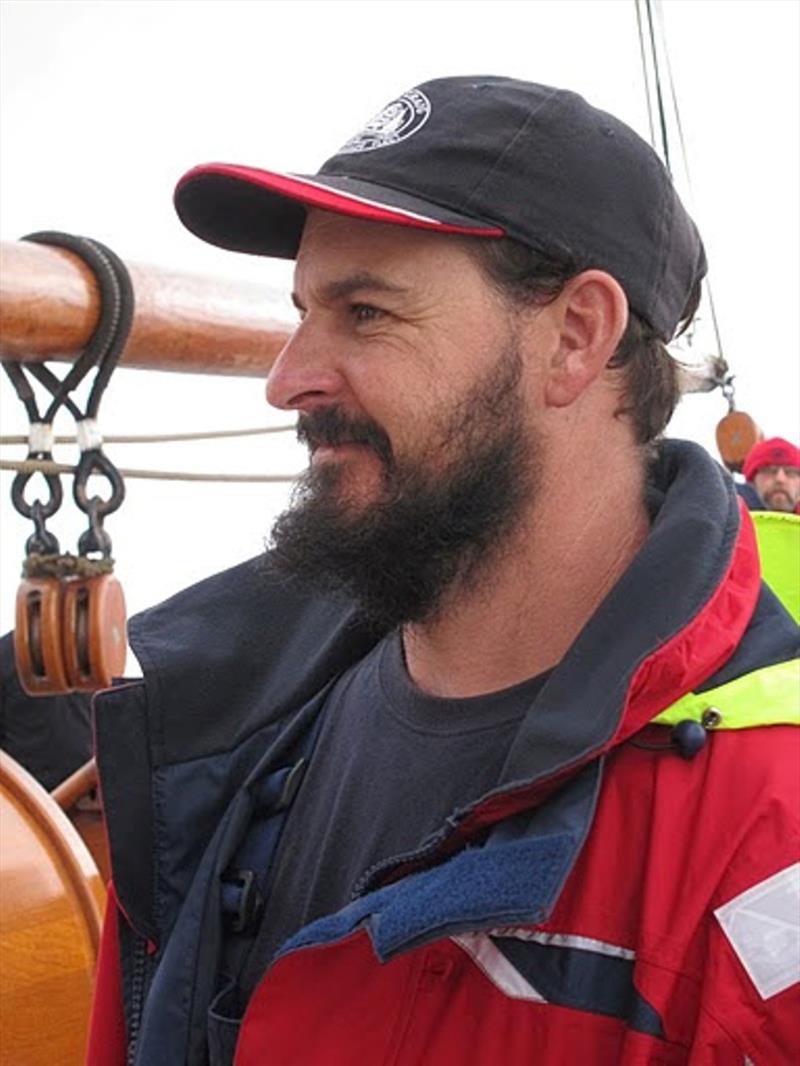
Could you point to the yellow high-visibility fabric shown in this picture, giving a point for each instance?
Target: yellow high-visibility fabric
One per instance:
(778, 536)
(769, 696)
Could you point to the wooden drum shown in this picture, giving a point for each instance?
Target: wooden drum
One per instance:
(51, 907)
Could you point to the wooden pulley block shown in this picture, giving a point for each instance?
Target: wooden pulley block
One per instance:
(94, 639)
(37, 637)
(70, 634)
(736, 435)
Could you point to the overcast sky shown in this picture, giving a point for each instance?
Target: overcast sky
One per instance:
(105, 104)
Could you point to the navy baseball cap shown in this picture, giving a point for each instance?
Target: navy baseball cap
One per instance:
(486, 157)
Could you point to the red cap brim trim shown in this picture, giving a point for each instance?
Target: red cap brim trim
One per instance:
(315, 194)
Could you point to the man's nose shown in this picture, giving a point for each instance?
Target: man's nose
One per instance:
(305, 375)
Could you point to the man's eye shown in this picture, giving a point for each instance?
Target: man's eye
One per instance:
(365, 312)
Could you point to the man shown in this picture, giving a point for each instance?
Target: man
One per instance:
(773, 467)
(488, 762)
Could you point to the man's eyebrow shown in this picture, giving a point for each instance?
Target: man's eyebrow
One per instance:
(344, 287)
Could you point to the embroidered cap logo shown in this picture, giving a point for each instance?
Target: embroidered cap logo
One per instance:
(398, 121)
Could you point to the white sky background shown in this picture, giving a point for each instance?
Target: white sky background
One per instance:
(105, 104)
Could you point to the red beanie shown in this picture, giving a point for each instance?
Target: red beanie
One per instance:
(772, 452)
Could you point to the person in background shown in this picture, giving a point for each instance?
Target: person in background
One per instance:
(773, 468)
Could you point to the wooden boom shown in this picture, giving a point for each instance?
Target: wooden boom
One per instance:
(50, 304)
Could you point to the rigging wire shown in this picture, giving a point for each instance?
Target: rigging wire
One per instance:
(165, 438)
(31, 466)
(648, 42)
(662, 118)
(685, 156)
(643, 55)
(51, 467)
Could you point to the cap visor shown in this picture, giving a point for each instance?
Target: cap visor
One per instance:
(246, 209)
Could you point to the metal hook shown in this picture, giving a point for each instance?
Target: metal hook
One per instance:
(729, 392)
(41, 541)
(95, 538)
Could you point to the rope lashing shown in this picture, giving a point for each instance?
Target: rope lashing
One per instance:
(101, 354)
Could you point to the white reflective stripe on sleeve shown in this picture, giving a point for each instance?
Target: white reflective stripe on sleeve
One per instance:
(88, 433)
(566, 940)
(763, 927)
(497, 967)
(40, 438)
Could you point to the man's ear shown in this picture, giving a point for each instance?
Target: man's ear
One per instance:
(591, 313)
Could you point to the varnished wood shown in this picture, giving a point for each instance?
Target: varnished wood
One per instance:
(736, 434)
(51, 908)
(38, 647)
(93, 631)
(87, 817)
(49, 306)
(78, 797)
(76, 786)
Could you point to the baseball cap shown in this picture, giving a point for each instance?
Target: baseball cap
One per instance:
(487, 157)
(772, 452)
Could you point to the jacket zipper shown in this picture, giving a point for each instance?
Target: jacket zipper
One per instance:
(376, 873)
(139, 983)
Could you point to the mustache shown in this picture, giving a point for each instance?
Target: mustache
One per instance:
(331, 426)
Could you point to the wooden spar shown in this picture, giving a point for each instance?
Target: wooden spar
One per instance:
(49, 306)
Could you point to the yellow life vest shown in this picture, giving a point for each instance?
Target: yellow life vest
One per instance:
(771, 695)
(778, 536)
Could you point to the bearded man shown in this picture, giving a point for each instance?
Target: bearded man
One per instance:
(489, 761)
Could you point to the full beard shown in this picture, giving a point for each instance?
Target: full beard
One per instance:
(778, 500)
(432, 532)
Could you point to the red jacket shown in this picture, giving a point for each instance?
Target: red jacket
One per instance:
(610, 902)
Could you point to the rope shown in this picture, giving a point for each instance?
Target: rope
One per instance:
(165, 438)
(64, 566)
(101, 355)
(106, 344)
(30, 466)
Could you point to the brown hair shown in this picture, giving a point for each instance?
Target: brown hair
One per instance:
(649, 383)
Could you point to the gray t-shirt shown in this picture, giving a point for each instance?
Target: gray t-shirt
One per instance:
(391, 763)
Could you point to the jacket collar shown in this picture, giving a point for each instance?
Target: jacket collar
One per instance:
(674, 617)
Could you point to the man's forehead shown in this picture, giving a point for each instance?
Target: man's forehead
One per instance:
(335, 249)
(324, 229)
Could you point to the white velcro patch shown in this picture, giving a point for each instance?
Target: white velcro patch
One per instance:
(763, 926)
